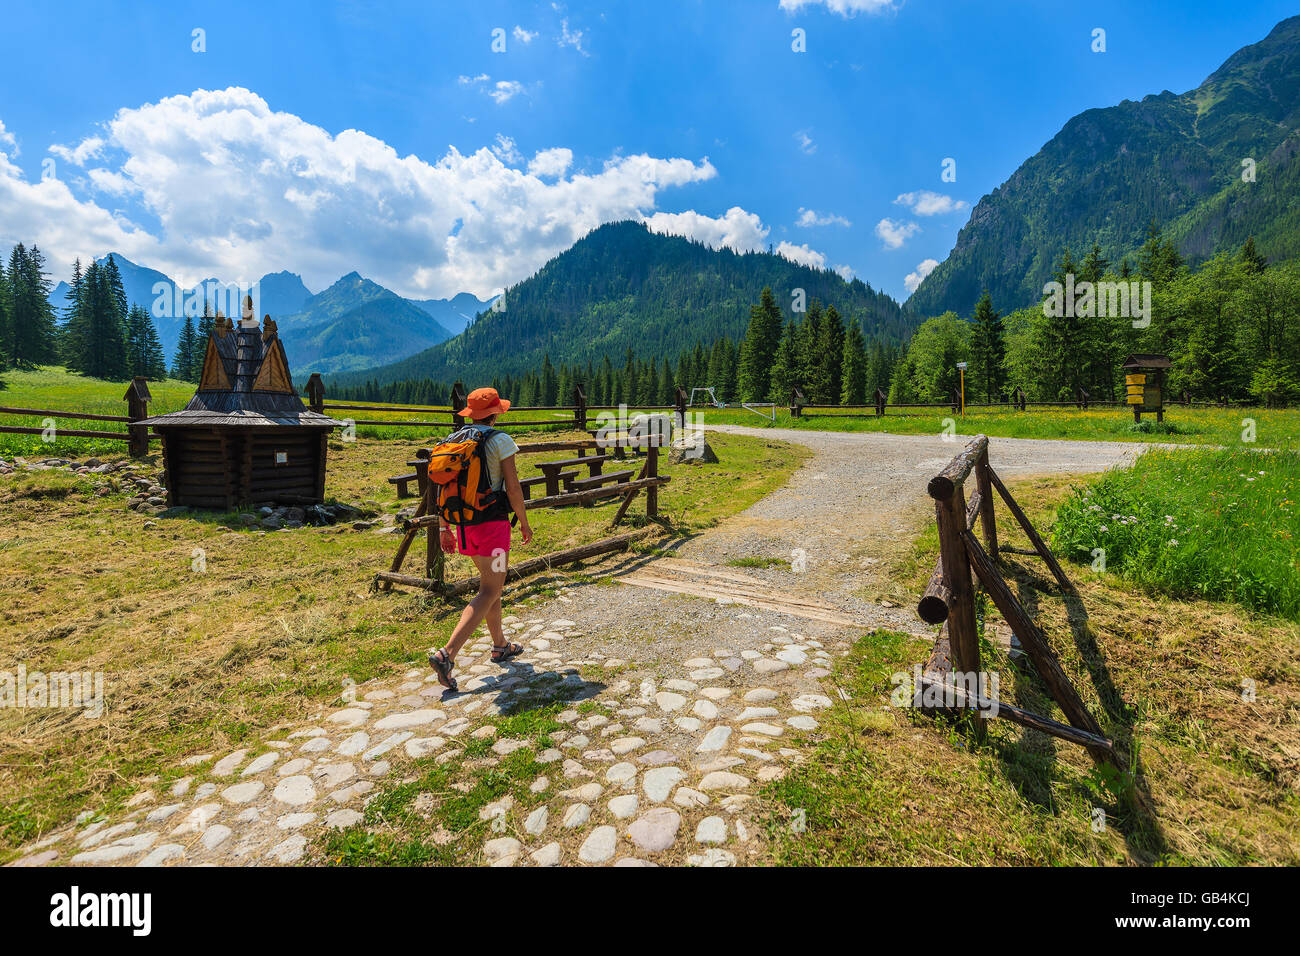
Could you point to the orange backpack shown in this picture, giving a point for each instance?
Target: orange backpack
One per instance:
(463, 490)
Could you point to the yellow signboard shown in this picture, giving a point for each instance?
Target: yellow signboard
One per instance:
(1134, 400)
(1136, 390)
(1135, 378)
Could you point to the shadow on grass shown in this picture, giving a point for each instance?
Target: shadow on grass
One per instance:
(1134, 806)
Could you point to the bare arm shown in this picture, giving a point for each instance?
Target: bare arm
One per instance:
(510, 479)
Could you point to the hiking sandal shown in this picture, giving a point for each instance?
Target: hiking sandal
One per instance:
(506, 651)
(442, 665)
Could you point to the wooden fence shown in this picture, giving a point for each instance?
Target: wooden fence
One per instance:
(577, 416)
(799, 407)
(136, 436)
(425, 519)
(949, 598)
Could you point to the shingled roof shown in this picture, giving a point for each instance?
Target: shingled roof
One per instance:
(245, 381)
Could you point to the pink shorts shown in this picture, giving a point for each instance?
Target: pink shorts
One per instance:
(486, 540)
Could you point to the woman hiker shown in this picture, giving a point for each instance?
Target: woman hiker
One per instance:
(486, 544)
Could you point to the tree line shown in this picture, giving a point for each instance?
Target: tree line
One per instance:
(1231, 329)
(98, 333)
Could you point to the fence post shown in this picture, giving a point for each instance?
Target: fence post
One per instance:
(652, 471)
(987, 518)
(881, 399)
(963, 639)
(316, 393)
(458, 398)
(579, 408)
(137, 408)
(796, 402)
(680, 401)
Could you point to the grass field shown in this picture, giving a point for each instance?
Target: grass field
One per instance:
(1217, 778)
(266, 634)
(1273, 428)
(1203, 523)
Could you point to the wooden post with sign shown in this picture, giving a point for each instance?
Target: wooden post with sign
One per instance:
(1144, 383)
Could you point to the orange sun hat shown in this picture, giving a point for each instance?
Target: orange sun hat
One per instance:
(483, 403)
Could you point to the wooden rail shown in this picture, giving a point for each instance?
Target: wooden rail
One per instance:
(136, 436)
(427, 520)
(949, 597)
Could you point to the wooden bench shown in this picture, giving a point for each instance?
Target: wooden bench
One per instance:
(551, 470)
(595, 481)
(566, 477)
(403, 483)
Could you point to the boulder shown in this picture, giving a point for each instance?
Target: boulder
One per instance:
(691, 447)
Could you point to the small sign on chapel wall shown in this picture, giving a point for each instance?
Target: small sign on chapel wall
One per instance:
(282, 458)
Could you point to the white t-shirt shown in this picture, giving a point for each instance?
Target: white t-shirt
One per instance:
(496, 448)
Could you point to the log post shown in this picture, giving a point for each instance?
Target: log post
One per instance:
(137, 404)
(316, 393)
(950, 512)
(651, 470)
(579, 408)
(422, 470)
(796, 402)
(988, 520)
(881, 399)
(680, 407)
(458, 398)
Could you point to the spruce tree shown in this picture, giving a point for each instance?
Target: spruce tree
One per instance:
(1250, 258)
(785, 366)
(756, 352)
(853, 365)
(988, 350)
(184, 360)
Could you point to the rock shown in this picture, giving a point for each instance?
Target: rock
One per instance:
(723, 780)
(260, 763)
(227, 764)
(537, 821)
(214, 836)
(599, 846)
(809, 702)
(293, 821)
(669, 701)
(576, 815)
(757, 713)
(342, 819)
(767, 666)
(711, 830)
(761, 695)
(705, 709)
(686, 797)
(692, 447)
(125, 847)
(503, 851)
(295, 791)
(715, 739)
(624, 806)
(423, 746)
(548, 855)
(415, 718)
(624, 745)
(713, 857)
(767, 730)
(802, 722)
(163, 854)
(289, 851)
(620, 773)
(659, 782)
(355, 744)
(656, 829)
(243, 792)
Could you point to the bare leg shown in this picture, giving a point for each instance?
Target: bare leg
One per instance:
(490, 585)
(493, 620)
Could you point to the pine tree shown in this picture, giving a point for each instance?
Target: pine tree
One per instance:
(186, 346)
(31, 326)
(5, 337)
(988, 350)
(756, 352)
(73, 342)
(1251, 259)
(550, 384)
(853, 365)
(829, 355)
(785, 366)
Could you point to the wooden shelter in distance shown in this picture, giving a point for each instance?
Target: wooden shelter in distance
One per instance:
(245, 436)
(1144, 379)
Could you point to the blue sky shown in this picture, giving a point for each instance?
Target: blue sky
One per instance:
(471, 167)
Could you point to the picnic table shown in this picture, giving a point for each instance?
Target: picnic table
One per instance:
(551, 470)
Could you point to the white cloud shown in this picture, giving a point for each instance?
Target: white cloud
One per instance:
(87, 149)
(808, 217)
(8, 145)
(927, 203)
(736, 229)
(805, 142)
(502, 91)
(845, 8)
(893, 234)
(571, 38)
(913, 279)
(845, 272)
(801, 254)
(523, 36)
(548, 163)
(232, 188)
(504, 150)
